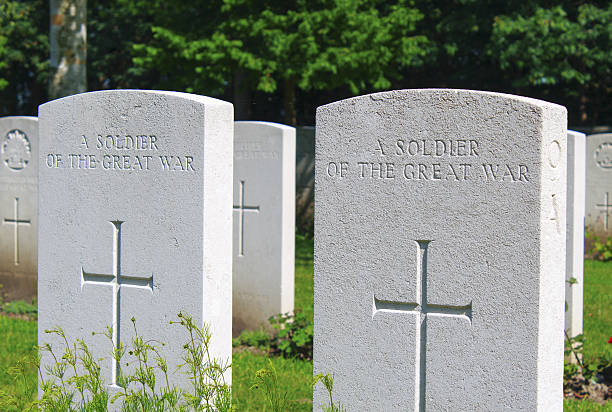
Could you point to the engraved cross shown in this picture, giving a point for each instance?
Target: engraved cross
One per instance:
(241, 208)
(16, 221)
(423, 311)
(117, 281)
(606, 207)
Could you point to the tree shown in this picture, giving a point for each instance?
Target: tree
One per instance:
(23, 56)
(561, 51)
(269, 45)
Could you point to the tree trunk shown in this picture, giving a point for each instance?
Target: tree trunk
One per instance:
(289, 101)
(68, 47)
(242, 96)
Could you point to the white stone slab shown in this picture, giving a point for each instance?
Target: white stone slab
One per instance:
(599, 184)
(574, 274)
(136, 185)
(18, 206)
(264, 223)
(440, 251)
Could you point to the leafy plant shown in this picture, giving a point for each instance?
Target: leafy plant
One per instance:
(602, 249)
(19, 307)
(294, 337)
(577, 365)
(255, 338)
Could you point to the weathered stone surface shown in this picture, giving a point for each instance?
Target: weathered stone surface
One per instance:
(574, 273)
(135, 219)
(264, 223)
(18, 206)
(440, 251)
(599, 184)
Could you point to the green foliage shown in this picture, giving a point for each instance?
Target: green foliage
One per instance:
(19, 307)
(316, 51)
(573, 351)
(317, 45)
(294, 334)
(24, 53)
(561, 47)
(602, 249)
(257, 338)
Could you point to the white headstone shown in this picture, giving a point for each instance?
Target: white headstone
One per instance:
(18, 206)
(264, 223)
(135, 219)
(574, 274)
(599, 184)
(440, 251)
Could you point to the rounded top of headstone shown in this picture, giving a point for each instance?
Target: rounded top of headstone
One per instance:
(263, 124)
(450, 97)
(18, 118)
(601, 147)
(575, 133)
(16, 134)
(111, 94)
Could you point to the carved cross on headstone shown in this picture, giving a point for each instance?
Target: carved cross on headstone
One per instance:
(16, 221)
(241, 208)
(117, 281)
(422, 310)
(606, 209)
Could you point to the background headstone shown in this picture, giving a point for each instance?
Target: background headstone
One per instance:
(599, 184)
(440, 251)
(264, 223)
(136, 186)
(574, 274)
(18, 206)
(304, 178)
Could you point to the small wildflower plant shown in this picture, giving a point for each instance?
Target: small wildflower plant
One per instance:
(74, 381)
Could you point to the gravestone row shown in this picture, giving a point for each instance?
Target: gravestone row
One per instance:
(439, 244)
(263, 278)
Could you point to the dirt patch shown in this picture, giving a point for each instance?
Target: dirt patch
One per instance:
(579, 388)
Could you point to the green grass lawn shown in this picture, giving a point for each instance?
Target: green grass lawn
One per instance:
(17, 337)
(597, 310)
(304, 286)
(17, 341)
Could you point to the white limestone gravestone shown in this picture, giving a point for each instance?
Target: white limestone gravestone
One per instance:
(135, 219)
(599, 184)
(574, 273)
(18, 206)
(264, 223)
(440, 251)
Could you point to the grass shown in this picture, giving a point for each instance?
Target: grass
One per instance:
(597, 310)
(586, 406)
(304, 286)
(294, 378)
(18, 336)
(17, 341)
